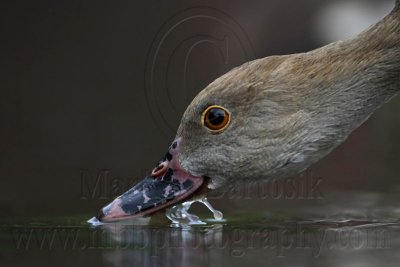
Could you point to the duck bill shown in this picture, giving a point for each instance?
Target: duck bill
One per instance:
(168, 184)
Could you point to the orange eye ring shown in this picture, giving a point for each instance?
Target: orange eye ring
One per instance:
(216, 118)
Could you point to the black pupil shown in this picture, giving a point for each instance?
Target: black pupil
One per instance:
(216, 116)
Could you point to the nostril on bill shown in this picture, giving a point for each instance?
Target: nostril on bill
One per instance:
(160, 169)
(100, 215)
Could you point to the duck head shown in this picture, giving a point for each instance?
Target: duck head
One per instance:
(238, 128)
(272, 117)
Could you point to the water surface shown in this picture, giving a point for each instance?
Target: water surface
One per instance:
(363, 234)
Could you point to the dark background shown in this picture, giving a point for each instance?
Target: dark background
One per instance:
(92, 89)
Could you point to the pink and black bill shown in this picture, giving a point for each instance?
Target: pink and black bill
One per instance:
(168, 184)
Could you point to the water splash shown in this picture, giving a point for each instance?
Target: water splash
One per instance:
(94, 222)
(180, 216)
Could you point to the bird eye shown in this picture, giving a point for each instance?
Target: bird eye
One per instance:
(216, 118)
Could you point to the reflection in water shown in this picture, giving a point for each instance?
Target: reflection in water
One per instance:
(155, 246)
(261, 241)
(217, 244)
(365, 233)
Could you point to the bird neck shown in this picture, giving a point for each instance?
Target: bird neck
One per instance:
(340, 85)
(358, 76)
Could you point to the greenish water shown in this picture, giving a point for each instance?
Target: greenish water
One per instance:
(262, 239)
